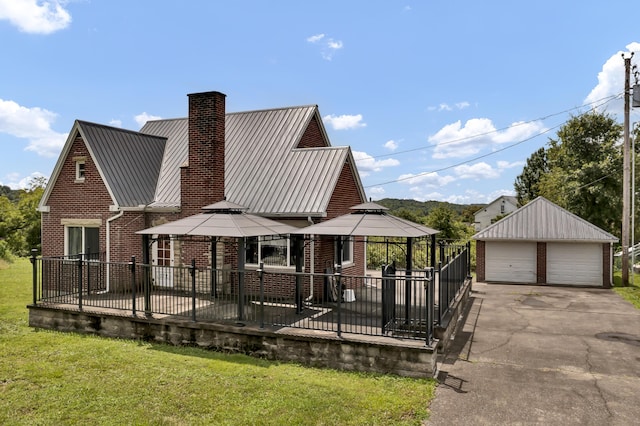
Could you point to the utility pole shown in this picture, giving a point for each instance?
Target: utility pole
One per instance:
(626, 172)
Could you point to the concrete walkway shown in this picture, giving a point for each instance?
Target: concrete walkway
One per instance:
(542, 355)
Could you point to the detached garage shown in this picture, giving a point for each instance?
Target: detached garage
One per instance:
(545, 244)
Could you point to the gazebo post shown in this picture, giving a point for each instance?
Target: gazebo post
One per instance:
(433, 250)
(298, 248)
(242, 249)
(407, 282)
(146, 273)
(214, 267)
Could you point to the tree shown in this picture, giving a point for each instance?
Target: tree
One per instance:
(20, 220)
(526, 184)
(584, 170)
(410, 215)
(447, 222)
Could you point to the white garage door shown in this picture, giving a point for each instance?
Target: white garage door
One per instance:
(574, 263)
(510, 262)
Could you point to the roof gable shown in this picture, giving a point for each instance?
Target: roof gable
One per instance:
(542, 220)
(128, 162)
(264, 168)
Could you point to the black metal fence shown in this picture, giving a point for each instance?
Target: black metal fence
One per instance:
(392, 302)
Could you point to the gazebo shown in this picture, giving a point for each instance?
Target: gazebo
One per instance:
(220, 220)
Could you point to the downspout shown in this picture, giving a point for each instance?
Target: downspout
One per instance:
(108, 232)
(312, 263)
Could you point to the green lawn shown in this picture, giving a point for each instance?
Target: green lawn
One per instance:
(57, 378)
(631, 293)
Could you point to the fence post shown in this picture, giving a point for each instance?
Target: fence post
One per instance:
(430, 305)
(338, 275)
(469, 259)
(193, 290)
(80, 281)
(133, 284)
(261, 276)
(88, 259)
(34, 253)
(440, 293)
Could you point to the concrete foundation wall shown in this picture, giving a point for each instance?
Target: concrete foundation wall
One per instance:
(357, 353)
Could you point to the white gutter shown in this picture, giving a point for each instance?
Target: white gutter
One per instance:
(108, 232)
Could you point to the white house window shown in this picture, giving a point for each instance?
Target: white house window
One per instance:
(273, 251)
(347, 250)
(83, 240)
(502, 208)
(80, 170)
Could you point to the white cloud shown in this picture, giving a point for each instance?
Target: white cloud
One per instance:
(377, 192)
(35, 16)
(344, 122)
(391, 145)
(16, 181)
(366, 163)
(476, 171)
(446, 107)
(315, 38)
(33, 124)
(611, 80)
(428, 180)
(144, 117)
(456, 140)
(328, 45)
(503, 165)
(115, 123)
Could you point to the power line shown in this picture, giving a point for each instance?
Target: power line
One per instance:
(604, 101)
(467, 161)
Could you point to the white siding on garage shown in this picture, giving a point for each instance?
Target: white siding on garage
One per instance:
(513, 262)
(574, 263)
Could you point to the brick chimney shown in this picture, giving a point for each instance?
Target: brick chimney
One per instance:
(202, 179)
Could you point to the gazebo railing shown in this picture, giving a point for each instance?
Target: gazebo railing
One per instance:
(393, 303)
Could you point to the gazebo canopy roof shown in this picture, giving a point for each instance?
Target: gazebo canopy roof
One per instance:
(368, 220)
(222, 219)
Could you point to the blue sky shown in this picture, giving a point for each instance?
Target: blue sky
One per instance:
(439, 100)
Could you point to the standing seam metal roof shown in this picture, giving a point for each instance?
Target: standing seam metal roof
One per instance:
(542, 220)
(119, 153)
(264, 169)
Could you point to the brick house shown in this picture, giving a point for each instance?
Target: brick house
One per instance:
(109, 183)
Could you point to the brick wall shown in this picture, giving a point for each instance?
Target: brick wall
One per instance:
(202, 181)
(313, 137)
(480, 261)
(606, 265)
(345, 195)
(75, 200)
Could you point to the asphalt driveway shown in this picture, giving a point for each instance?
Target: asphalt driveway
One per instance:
(542, 355)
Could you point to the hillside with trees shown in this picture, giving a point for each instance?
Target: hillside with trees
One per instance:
(19, 219)
(454, 221)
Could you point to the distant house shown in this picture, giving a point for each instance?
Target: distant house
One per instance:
(109, 183)
(499, 207)
(545, 244)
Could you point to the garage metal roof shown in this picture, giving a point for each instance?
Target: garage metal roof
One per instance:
(542, 220)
